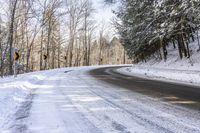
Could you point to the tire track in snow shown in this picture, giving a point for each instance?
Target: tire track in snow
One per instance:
(161, 122)
(93, 128)
(146, 121)
(21, 114)
(20, 125)
(96, 119)
(135, 117)
(148, 124)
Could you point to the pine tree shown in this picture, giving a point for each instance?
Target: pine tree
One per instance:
(146, 26)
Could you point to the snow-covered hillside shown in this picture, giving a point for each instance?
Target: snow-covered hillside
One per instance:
(174, 62)
(174, 69)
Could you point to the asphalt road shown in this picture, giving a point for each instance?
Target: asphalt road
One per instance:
(175, 93)
(72, 101)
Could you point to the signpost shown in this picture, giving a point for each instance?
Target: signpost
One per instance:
(16, 57)
(45, 57)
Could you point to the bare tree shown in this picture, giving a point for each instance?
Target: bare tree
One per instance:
(75, 11)
(13, 8)
(37, 28)
(88, 27)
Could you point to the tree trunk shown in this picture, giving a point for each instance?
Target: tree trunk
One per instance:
(183, 45)
(188, 50)
(179, 47)
(1, 59)
(10, 39)
(198, 40)
(41, 48)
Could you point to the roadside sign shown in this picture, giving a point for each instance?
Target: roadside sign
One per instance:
(45, 57)
(16, 56)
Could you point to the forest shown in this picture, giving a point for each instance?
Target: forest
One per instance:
(149, 27)
(48, 34)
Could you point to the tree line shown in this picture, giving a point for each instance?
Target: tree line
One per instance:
(149, 27)
(50, 34)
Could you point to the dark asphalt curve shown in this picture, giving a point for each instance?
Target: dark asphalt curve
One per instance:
(184, 95)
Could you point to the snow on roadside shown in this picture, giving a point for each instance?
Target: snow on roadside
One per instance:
(173, 69)
(186, 76)
(13, 93)
(16, 92)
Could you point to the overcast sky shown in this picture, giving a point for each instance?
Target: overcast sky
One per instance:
(104, 14)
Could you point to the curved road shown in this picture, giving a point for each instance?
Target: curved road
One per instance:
(100, 100)
(185, 95)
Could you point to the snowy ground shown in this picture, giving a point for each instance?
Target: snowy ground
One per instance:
(71, 101)
(191, 77)
(174, 69)
(15, 93)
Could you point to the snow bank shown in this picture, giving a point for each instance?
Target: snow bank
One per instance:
(174, 61)
(13, 93)
(174, 69)
(17, 92)
(185, 76)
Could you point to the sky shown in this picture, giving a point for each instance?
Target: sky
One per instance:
(103, 12)
(104, 15)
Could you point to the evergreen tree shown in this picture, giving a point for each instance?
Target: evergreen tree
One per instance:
(147, 25)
